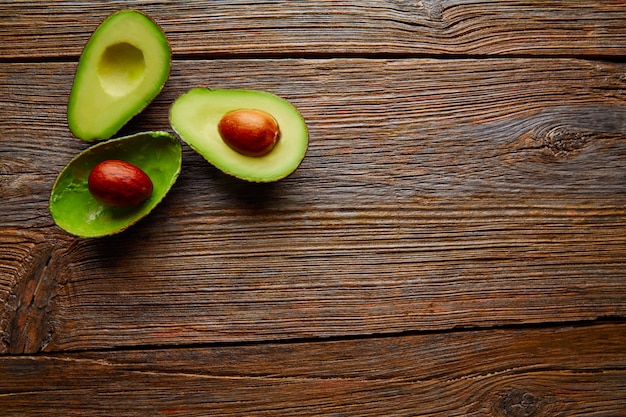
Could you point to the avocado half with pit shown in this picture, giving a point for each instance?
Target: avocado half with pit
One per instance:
(249, 134)
(76, 210)
(122, 68)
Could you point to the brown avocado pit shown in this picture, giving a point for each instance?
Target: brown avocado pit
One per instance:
(118, 183)
(251, 132)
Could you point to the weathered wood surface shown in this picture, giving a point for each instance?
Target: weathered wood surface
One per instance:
(481, 187)
(573, 371)
(417, 207)
(322, 27)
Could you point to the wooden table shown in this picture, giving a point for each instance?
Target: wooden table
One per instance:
(453, 244)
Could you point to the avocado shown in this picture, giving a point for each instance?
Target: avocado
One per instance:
(76, 209)
(122, 68)
(249, 134)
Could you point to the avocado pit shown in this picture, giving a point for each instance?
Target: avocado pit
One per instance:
(118, 183)
(251, 132)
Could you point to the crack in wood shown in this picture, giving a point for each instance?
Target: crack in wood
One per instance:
(29, 329)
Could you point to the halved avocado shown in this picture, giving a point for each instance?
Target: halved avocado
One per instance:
(196, 114)
(77, 211)
(123, 67)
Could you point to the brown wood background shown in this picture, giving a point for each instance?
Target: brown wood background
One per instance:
(453, 244)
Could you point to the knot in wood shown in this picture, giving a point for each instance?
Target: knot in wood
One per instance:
(517, 403)
(561, 139)
(433, 8)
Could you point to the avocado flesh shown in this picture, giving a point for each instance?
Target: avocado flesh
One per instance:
(195, 116)
(123, 67)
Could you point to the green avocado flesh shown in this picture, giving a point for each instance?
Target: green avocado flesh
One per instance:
(195, 116)
(76, 211)
(123, 67)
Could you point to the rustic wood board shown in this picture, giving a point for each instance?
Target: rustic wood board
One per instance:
(241, 27)
(453, 244)
(565, 371)
(435, 194)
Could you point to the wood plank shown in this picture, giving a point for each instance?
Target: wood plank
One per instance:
(492, 193)
(565, 371)
(442, 27)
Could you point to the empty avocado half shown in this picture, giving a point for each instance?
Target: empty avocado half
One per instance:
(123, 67)
(252, 135)
(76, 210)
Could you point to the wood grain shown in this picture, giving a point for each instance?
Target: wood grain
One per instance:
(453, 244)
(564, 371)
(435, 194)
(35, 30)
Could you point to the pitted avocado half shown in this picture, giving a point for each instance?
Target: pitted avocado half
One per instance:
(75, 209)
(123, 67)
(195, 117)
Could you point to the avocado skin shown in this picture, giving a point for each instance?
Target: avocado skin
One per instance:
(123, 67)
(73, 207)
(195, 116)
